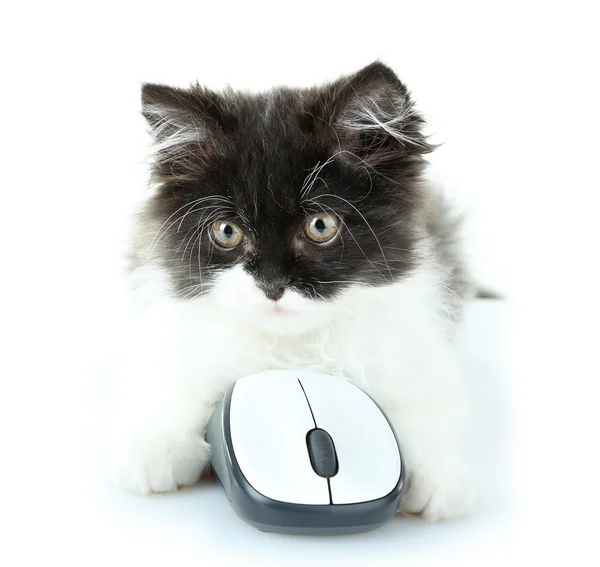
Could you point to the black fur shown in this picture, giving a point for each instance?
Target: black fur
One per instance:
(254, 153)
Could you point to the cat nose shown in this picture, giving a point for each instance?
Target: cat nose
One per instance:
(274, 290)
(274, 294)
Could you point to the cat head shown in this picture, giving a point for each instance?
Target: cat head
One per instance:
(276, 203)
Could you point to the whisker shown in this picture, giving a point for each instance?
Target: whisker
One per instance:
(353, 238)
(207, 207)
(343, 282)
(201, 227)
(365, 221)
(220, 211)
(338, 302)
(365, 164)
(192, 204)
(152, 243)
(191, 293)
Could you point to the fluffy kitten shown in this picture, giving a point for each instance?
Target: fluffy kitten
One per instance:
(293, 229)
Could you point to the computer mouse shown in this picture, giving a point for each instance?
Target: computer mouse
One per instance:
(303, 452)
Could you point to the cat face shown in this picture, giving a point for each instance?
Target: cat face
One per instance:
(276, 203)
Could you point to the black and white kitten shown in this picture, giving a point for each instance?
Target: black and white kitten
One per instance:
(290, 229)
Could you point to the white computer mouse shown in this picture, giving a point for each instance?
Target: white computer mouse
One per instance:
(301, 452)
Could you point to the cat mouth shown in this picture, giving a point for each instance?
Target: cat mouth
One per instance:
(280, 311)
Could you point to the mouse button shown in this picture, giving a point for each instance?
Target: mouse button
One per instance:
(322, 453)
(368, 456)
(269, 418)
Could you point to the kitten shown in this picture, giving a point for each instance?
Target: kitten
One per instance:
(289, 229)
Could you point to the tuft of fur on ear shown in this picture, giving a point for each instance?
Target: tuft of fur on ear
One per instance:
(372, 115)
(186, 127)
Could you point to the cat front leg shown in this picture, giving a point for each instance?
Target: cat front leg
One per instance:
(428, 408)
(157, 442)
(440, 481)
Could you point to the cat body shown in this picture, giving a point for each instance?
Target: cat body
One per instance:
(293, 229)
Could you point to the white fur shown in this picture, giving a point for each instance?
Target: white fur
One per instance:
(370, 113)
(390, 341)
(174, 129)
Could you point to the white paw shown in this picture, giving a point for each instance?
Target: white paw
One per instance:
(159, 463)
(439, 489)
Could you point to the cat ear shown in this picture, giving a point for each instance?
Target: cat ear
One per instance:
(187, 126)
(371, 115)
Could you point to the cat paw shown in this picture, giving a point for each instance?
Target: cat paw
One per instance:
(155, 463)
(439, 491)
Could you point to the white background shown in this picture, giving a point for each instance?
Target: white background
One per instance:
(512, 91)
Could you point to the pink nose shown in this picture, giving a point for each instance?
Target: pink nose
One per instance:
(273, 293)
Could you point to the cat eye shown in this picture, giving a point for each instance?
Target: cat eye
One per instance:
(226, 234)
(321, 228)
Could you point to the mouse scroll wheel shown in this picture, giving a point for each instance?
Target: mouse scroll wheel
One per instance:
(322, 453)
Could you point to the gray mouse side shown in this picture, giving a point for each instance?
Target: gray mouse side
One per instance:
(270, 515)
